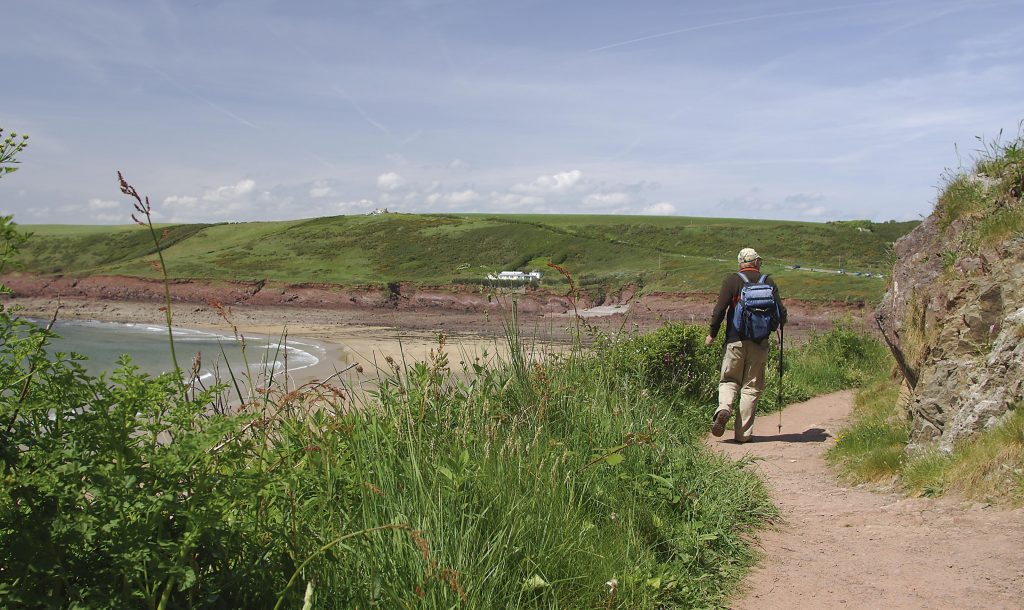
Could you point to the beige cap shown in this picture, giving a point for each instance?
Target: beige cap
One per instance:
(747, 255)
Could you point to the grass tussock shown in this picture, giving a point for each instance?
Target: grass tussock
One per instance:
(987, 468)
(873, 447)
(985, 199)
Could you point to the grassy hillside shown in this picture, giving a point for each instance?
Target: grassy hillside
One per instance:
(661, 253)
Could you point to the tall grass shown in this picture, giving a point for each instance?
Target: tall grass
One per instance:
(526, 485)
(873, 446)
(988, 467)
(986, 198)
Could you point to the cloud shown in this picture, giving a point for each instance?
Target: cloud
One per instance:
(231, 192)
(505, 201)
(390, 181)
(600, 200)
(351, 207)
(459, 164)
(758, 203)
(455, 198)
(182, 201)
(801, 198)
(663, 208)
(465, 196)
(321, 189)
(561, 182)
(103, 204)
(96, 210)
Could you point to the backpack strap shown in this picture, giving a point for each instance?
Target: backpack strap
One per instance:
(762, 278)
(743, 277)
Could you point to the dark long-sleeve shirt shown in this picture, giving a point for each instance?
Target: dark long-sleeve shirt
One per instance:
(729, 293)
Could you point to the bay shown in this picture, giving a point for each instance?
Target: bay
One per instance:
(102, 343)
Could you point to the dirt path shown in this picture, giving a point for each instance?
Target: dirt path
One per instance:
(842, 547)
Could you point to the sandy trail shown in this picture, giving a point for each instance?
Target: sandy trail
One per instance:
(842, 547)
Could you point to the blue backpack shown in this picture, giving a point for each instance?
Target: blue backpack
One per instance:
(756, 314)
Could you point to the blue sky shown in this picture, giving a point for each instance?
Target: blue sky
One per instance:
(260, 110)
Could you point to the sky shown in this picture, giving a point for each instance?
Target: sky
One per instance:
(224, 110)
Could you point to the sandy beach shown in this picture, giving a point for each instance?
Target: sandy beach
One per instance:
(363, 339)
(345, 339)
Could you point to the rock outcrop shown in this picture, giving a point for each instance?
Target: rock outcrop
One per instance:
(954, 312)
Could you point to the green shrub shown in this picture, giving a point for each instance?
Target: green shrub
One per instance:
(113, 495)
(838, 359)
(533, 483)
(674, 360)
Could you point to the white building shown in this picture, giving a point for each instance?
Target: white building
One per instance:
(516, 276)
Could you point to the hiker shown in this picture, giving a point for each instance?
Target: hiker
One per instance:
(746, 339)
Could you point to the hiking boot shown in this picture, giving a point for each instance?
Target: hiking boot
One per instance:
(718, 428)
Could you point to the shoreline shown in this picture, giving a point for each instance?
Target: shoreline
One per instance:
(339, 340)
(368, 336)
(369, 342)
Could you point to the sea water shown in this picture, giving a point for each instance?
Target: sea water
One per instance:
(103, 343)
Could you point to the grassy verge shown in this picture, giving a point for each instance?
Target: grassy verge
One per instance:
(988, 467)
(873, 446)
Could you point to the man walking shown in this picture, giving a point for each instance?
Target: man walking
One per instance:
(746, 342)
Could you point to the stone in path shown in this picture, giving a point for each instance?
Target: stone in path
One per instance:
(843, 547)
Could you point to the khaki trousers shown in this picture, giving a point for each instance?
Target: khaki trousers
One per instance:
(743, 373)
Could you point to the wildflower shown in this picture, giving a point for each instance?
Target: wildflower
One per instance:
(613, 585)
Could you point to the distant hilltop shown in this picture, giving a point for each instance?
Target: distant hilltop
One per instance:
(603, 254)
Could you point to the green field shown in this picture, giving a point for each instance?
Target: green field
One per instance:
(603, 253)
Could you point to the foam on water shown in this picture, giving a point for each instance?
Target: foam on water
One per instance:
(103, 342)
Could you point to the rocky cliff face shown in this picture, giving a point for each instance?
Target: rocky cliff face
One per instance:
(954, 311)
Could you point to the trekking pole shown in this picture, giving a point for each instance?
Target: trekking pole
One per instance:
(782, 336)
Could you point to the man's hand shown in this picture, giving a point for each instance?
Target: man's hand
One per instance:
(708, 340)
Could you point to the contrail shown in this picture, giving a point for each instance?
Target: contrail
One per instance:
(191, 92)
(313, 61)
(362, 113)
(415, 136)
(717, 24)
